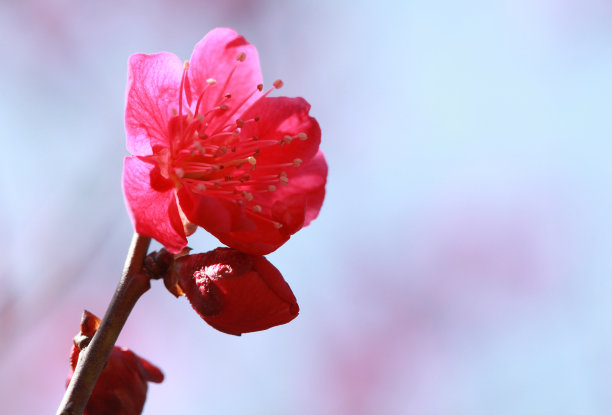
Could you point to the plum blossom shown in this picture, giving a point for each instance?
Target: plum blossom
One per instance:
(210, 148)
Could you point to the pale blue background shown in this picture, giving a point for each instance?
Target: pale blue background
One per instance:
(461, 263)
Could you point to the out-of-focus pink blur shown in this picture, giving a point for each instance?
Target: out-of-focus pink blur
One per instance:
(461, 262)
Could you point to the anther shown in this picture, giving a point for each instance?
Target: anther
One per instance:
(227, 96)
(201, 187)
(278, 225)
(278, 84)
(260, 87)
(286, 140)
(297, 162)
(211, 81)
(241, 57)
(223, 107)
(251, 160)
(240, 123)
(271, 188)
(247, 195)
(284, 180)
(257, 209)
(257, 119)
(222, 151)
(302, 136)
(186, 65)
(179, 172)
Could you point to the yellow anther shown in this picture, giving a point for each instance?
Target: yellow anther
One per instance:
(251, 160)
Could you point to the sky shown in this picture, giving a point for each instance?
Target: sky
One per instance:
(460, 263)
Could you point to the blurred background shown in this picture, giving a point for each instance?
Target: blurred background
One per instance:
(460, 265)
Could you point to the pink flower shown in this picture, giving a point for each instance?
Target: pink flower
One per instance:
(121, 388)
(235, 292)
(210, 149)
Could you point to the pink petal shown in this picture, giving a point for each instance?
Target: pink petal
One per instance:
(299, 202)
(280, 117)
(154, 213)
(151, 94)
(310, 182)
(295, 205)
(215, 56)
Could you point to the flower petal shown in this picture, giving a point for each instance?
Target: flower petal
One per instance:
(216, 56)
(152, 206)
(305, 191)
(294, 206)
(152, 91)
(280, 117)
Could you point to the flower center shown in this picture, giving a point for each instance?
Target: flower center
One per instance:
(211, 154)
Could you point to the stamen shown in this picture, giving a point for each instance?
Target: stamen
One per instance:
(253, 212)
(187, 83)
(285, 140)
(302, 136)
(209, 82)
(297, 162)
(241, 57)
(278, 84)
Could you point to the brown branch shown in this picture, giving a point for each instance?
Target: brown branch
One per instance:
(93, 358)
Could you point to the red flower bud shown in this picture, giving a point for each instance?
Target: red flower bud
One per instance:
(236, 292)
(121, 388)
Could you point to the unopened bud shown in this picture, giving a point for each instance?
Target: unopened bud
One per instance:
(122, 385)
(236, 292)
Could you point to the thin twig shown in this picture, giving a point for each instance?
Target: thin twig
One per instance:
(93, 358)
